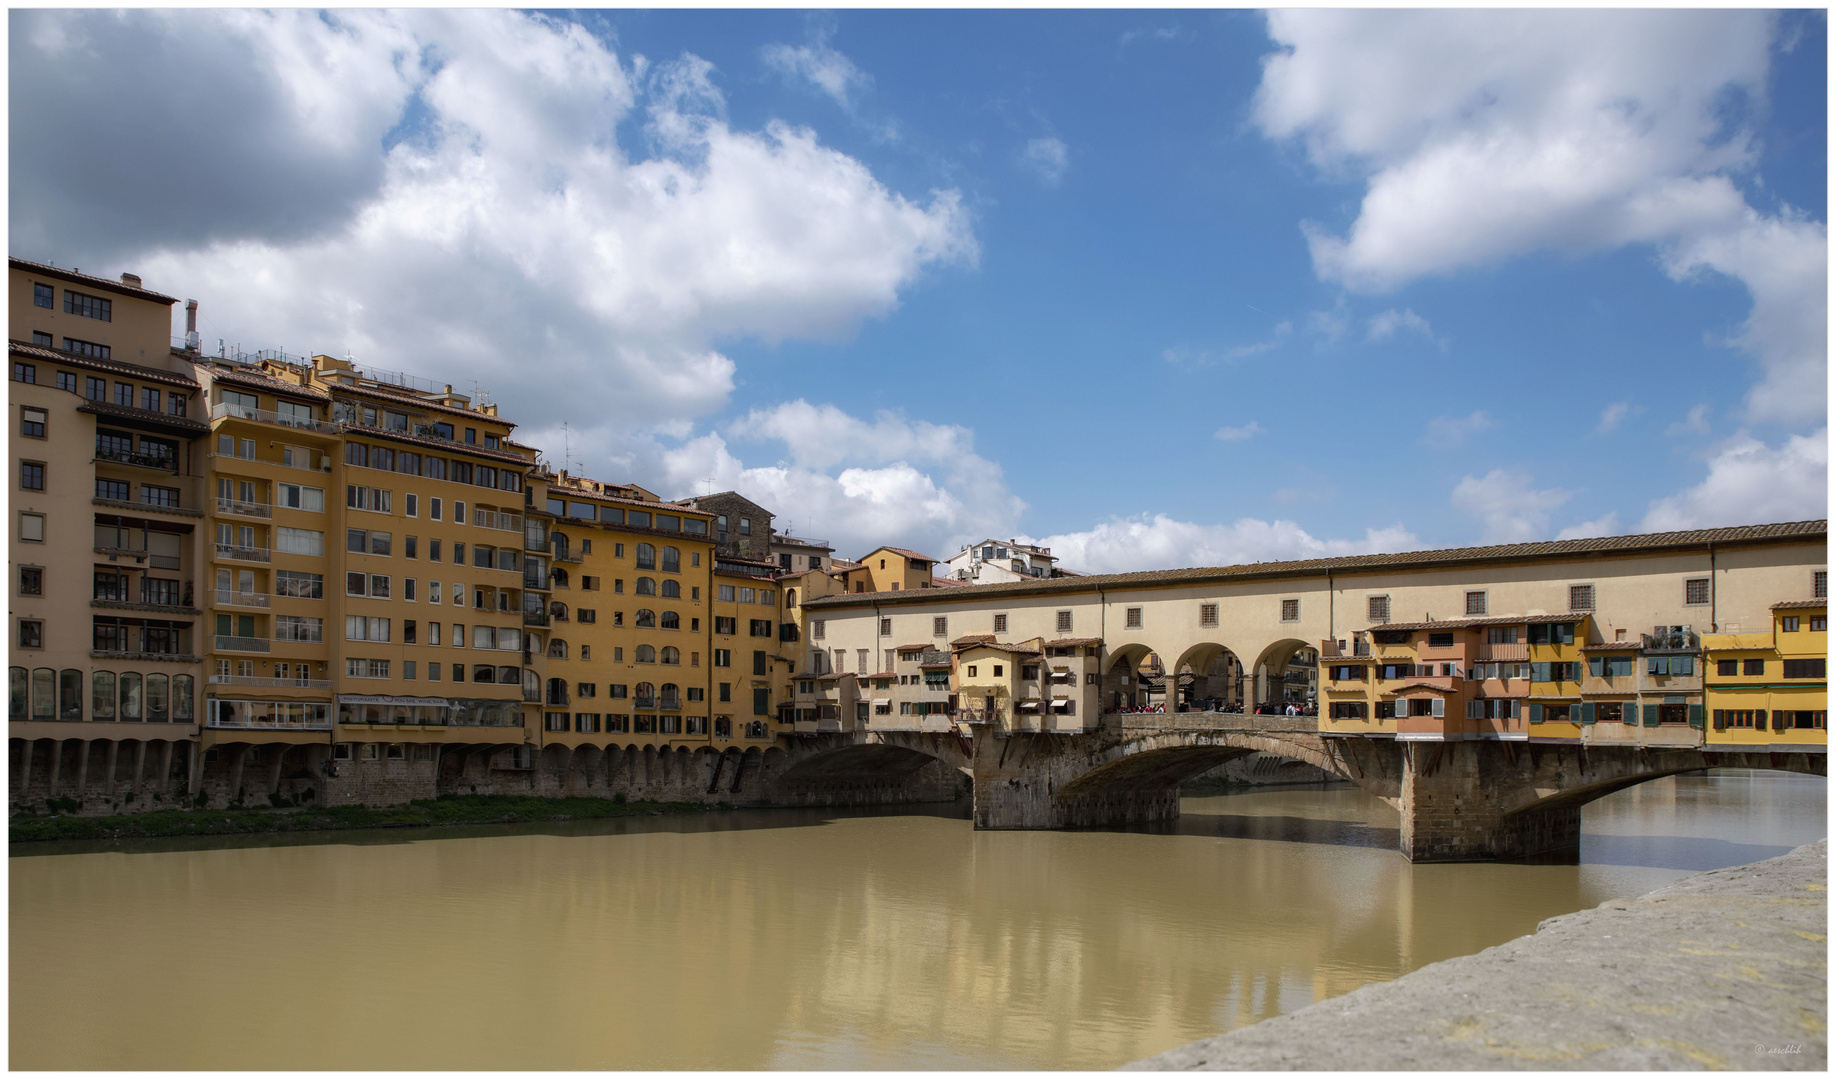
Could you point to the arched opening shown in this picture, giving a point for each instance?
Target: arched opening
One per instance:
(1124, 688)
(1208, 677)
(1286, 674)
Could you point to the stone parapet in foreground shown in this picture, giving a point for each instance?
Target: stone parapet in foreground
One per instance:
(1723, 970)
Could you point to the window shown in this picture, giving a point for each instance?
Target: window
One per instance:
(1290, 610)
(356, 668)
(724, 624)
(299, 542)
(1804, 669)
(32, 527)
(31, 633)
(1819, 623)
(124, 393)
(149, 398)
(1208, 614)
(300, 628)
(154, 495)
(1788, 624)
(364, 541)
(372, 499)
(175, 401)
(1064, 622)
(723, 658)
(112, 489)
(32, 475)
(42, 295)
(31, 581)
(1820, 583)
(1727, 667)
(758, 662)
(817, 629)
(90, 307)
(886, 624)
(1131, 618)
(760, 627)
(1696, 591)
(940, 626)
(32, 423)
(1580, 598)
(1475, 603)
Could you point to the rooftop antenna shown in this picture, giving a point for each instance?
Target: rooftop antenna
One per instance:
(567, 446)
(480, 396)
(710, 481)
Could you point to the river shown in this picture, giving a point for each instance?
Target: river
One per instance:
(790, 939)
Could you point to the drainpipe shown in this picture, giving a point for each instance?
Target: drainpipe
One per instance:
(1714, 589)
(1102, 652)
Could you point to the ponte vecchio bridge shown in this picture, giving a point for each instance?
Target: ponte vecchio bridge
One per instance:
(1486, 693)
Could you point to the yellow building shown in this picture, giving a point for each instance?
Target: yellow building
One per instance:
(889, 569)
(1769, 688)
(108, 457)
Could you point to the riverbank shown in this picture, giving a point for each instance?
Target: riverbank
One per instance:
(421, 813)
(1723, 970)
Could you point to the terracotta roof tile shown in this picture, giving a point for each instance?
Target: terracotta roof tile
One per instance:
(1001, 646)
(973, 639)
(115, 367)
(1492, 620)
(907, 552)
(419, 402)
(1799, 605)
(177, 424)
(469, 449)
(1066, 643)
(262, 381)
(114, 285)
(1427, 559)
(1613, 646)
(1418, 685)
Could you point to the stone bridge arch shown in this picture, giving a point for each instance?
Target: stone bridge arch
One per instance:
(1218, 671)
(869, 767)
(1264, 676)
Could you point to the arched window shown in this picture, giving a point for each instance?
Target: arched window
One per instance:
(158, 699)
(671, 587)
(671, 697)
(646, 586)
(672, 560)
(102, 695)
(671, 655)
(671, 621)
(645, 617)
(645, 654)
(484, 673)
(181, 699)
(557, 611)
(790, 598)
(559, 576)
(557, 649)
(70, 694)
(130, 695)
(509, 676)
(18, 680)
(644, 696)
(557, 692)
(558, 542)
(44, 694)
(646, 557)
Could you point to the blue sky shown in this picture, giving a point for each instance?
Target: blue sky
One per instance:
(1157, 288)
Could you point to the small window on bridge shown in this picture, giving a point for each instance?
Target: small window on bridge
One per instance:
(1208, 614)
(1290, 611)
(1132, 618)
(1377, 608)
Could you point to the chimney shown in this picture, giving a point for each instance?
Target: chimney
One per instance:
(131, 280)
(192, 340)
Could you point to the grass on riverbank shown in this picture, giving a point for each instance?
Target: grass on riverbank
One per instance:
(446, 810)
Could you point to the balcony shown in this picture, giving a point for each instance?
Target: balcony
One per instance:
(229, 598)
(269, 723)
(266, 416)
(245, 509)
(486, 519)
(278, 684)
(1488, 653)
(1680, 640)
(535, 618)
(239, 553)
(141, 656)
(230, 643)
(146, 507)
(573, 555)
(141, 461)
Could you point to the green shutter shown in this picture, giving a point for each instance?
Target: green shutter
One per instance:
(1759, 720)
(1596, 666)
(1685, 665)
(1536, 714)
(1721, 720)
(1587, 712)
(1695, 716)
(1651, 716)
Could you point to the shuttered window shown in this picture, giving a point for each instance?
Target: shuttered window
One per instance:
(1377, 608)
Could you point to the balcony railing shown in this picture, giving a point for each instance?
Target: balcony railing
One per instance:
(258, 680)
(270, 723)
(1489, 652)
(535, 618)
(570, 555)
(243, 554)
(266, 416)
(229, 643)
(145, 461)
(486, 519)
(1672, 641)
(241, 599)
(245, 509)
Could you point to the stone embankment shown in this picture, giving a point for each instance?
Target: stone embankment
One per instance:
(1723, 970)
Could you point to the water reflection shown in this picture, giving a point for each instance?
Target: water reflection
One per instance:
(793, 939)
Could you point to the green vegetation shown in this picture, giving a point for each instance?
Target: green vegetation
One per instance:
(445, 810)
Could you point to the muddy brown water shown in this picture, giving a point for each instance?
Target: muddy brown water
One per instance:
(792, 939)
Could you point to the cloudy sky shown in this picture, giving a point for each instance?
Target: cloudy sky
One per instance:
(1157, 289)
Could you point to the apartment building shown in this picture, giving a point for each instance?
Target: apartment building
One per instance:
(888, 569)
(992, 561)
(109, 460)
(1769, 686)
(742, 528)
(798, 554)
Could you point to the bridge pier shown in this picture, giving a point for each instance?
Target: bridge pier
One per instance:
(1457, 801)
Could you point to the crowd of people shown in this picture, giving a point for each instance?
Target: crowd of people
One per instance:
(1219, 705)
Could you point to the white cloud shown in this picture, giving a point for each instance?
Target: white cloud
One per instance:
(1330, 325)
(1484, 135)
(1120, 545)
(1385, 324)
(1749, 483)
(1447, 431)
(1613, 415)
(1047, 158)
(1158, 33)
(1605, 525)
(1696, 423)
(1504, 501)
(1234, 434)
(512, 230)
(830, 71)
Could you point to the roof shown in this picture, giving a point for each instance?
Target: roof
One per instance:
(420, 402)
(999, 646)
(907, 552)
(1069, 642)
(1493, 620)
(113, 367)
(972, 639)
(946, 583)
(105, 284)
(1642, 544)
(438, 444)
(557, 491)
(926, 645)
(1419, 685)
(798, 541)
(261, 381)
(1799, 605)
(1613, 646)
(178, 425)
